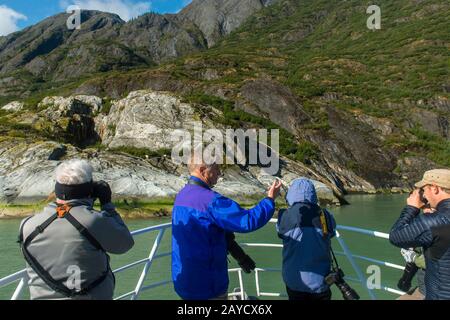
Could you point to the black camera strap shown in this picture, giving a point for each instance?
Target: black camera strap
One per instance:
(334, 263)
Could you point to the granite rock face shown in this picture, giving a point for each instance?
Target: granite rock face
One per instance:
(70, 119)
(143, 120)
(13, 106)
(218, 18)
(27, 175)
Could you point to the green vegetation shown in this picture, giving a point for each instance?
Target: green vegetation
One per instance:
(106, 106)
(436, 147)
(318, 47)
(136, 208)
(303, 151)
(421, 142)
(129, 208)
(20, 210)
(9, 127)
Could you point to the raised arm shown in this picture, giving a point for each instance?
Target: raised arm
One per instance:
(110, 231)
(228, 215)
(412, 230)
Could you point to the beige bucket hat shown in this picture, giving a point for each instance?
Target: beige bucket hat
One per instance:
(439, 177)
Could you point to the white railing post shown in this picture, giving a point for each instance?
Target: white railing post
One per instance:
(17, 293)
(355, 266)
(257, 282)
(241, 284)
(147, 266)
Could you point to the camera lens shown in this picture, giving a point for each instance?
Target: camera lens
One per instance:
(404, 283)
(338, 278)
(347, 292)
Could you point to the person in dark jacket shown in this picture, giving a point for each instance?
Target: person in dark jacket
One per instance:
(429, 231)
(306, 231)
(201, 219)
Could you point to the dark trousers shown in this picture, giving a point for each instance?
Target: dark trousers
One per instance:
(298, 295)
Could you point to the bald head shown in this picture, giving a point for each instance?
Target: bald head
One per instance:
(207, 172)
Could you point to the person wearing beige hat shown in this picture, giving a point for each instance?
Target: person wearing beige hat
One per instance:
(430, 231)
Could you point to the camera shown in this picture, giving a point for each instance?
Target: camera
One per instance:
(404, 283)
(337, 278)
(422, 198)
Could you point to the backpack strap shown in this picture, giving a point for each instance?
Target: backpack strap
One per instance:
(325, 222)
(62, 211)
(39, 229)
(20, 240)
(84, 231)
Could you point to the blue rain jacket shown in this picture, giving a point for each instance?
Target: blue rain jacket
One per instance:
(306, 252)
(200, 219)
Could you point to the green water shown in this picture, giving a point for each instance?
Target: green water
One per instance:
(376, 212)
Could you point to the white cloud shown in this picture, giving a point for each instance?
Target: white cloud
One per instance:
(9, 19)
(126, 9)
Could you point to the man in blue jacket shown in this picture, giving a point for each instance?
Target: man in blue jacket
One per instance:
(200, 220)
(306, 231)
(430, 231)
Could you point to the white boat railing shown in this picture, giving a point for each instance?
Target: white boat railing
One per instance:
(346, 252)
(22, 278)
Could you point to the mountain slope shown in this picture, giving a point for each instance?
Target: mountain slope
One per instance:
(48, 52)
(218, 18)
(364, 110)
(376, 102)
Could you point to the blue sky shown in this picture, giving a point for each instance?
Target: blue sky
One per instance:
(17, 14)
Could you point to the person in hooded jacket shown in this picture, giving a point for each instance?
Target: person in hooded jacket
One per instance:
(306, 230)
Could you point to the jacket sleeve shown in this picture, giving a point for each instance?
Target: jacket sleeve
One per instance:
(228, 215)
(280, 217)
(331, 223)
(411, 229)
(110, 231)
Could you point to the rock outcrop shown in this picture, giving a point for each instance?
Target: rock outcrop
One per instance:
(70, 119)
(13, 106)
(218, 18)
(27, 174)
(143, 120)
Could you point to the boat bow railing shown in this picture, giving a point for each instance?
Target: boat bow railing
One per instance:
(22, 278)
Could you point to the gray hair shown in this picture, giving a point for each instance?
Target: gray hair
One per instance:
(72, 172)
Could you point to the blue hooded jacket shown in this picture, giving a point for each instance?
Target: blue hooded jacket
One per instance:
(200, 218)
(306, 253)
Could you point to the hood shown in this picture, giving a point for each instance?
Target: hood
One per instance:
(301, 190)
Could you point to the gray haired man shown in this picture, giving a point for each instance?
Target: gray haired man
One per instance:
(66, 245)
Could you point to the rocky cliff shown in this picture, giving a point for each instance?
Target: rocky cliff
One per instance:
(131, 133)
